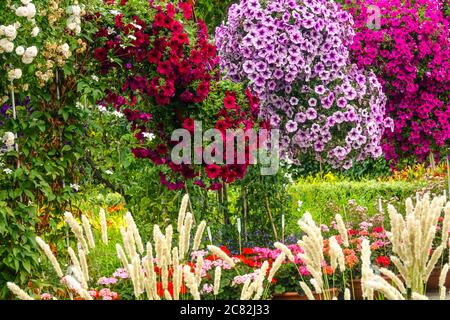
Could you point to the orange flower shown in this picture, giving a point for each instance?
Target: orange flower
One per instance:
(328, 270)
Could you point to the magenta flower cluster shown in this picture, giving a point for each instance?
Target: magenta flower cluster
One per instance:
(410, 52)
(294, 55)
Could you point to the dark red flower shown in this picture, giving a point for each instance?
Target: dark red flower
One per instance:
(213, 171)
(188, 124)
(100, 54)
(229, 102)
(187, 10)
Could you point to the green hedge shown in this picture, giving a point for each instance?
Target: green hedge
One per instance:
(324, 199)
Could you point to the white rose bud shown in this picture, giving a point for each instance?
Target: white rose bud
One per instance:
(35, 32)
(20, 50)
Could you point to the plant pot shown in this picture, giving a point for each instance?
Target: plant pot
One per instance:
(356, 288)
(433, 280)
(332, 292)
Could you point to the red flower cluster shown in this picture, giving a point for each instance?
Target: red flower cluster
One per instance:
(383, 261)
(231, 116)
(164, 66)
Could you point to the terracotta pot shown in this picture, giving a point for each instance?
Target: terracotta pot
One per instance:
(333, 292)
(433, 280)
(356, 288)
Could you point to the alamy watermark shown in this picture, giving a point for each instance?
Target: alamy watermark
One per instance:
(234, 146)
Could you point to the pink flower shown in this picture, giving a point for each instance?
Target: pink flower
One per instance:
(46, 296)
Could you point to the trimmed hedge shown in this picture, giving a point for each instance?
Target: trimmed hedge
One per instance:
(324, 199)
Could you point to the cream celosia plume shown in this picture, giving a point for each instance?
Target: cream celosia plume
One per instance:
(73, 284)
(88, 231)
(307, 291)
(184, 203)
(48, 252)
(276, 265)
(312, 244)
(222, 255)
(76, 229)
(103, 226)
(217, 276)
(22, 295)
(199, 235)
(286, 250)
(412, 237)
(342, 229)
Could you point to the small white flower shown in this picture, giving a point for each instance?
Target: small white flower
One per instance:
(148, 135)
(109, 172)
(95, 78)
(7, 171)
(115, 12)
(299, 205)
(75, 186)
(131, 37)
(110, 30)
(137, 26)
(101, 108)
(118, 114)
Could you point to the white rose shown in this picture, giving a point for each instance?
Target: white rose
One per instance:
(76, 10)
(31, 10)
(14, 74)
(22, 12)
(8, 139)
(27, 59)
(10, 32)
(20, 50)
(6, 45)
(65, 47)
(71, 26)
(35, 32)
(31, 52)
